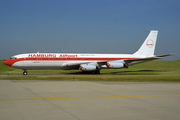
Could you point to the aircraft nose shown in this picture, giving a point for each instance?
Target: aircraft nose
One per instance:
(8, 62)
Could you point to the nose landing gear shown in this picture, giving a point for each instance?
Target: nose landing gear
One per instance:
(25, 72)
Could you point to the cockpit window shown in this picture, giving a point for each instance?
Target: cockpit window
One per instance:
(13, 58)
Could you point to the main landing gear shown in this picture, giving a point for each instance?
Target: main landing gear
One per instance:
(25, 72)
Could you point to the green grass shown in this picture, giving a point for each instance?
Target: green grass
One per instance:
(159, 71)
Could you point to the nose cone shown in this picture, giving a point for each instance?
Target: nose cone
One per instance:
(8, 62)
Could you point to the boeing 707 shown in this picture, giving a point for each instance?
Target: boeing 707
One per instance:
(86, 62)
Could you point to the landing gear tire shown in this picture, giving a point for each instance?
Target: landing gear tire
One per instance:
(90, 72)
(93, 72)
(97, 72)
(24, 73)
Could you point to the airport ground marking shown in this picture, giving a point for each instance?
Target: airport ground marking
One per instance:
(88, 97)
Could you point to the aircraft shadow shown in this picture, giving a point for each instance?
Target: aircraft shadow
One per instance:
(138, 72)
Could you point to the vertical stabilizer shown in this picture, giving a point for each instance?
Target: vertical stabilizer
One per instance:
(148, 47)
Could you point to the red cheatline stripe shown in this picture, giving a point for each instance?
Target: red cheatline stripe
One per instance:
(74, 59)
(12, 61)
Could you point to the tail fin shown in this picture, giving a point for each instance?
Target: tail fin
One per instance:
(148, 47)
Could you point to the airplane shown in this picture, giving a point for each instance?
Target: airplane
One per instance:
(91, 63)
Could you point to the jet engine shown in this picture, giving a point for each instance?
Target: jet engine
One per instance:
(116, 65)
(87, 67)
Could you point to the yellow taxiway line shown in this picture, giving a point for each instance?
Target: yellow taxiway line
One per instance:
(88, 97)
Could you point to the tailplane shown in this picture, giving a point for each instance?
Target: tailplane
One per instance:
(148, 47)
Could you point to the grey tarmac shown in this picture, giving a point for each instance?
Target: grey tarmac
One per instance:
(83, 100)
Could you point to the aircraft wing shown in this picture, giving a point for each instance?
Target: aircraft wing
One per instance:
(135, 61)
(76, 65)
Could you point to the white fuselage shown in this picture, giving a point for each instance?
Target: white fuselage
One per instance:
(59, 61)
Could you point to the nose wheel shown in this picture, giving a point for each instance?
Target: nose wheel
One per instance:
(25, 72)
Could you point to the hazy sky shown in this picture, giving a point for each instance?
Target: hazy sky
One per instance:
(88, 26)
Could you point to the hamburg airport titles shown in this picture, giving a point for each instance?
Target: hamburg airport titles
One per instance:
(51, 56)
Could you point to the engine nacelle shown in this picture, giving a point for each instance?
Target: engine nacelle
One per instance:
(114, 65)
(86, 67)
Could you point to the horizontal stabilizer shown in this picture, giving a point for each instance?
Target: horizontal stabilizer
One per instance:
(165, 55)
(136, 61)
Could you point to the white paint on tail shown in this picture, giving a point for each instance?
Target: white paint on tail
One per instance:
(148, 47)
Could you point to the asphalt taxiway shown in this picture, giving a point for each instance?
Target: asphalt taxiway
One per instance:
(81, 100)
